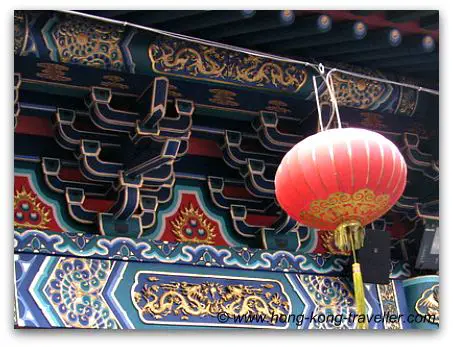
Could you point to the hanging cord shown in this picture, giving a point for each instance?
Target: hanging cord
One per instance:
(330, 85)
(318, 105)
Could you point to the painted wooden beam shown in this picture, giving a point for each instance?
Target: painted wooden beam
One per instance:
(149, 18)
(302, 27)
(421, 68)
(410, 46)
(262, 20)
(197, 24)
(109, 13)
(430, 22)
(406, 16)
(378, 39)
(431, 58)
(343, 32)
(362, 12)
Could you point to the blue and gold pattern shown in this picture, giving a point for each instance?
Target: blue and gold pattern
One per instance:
(144, 250)
(332, 296)
(74, 291)
(358, 92)
(76, 40)
(65, 291)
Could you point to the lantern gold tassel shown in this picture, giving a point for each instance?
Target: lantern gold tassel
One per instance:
(359, 295)
(349, 236)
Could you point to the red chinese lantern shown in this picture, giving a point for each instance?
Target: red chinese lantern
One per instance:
(341, 180)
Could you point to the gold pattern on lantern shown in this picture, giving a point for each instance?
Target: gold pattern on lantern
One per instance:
(363, 206)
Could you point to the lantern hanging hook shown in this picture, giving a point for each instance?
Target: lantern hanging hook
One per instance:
(321, 68)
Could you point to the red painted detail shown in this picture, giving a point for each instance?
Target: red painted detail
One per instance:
(256, 219)
(319, 246)
(206, 148)
(98, 205)
(31, 125)
(399, 228)
(237, 192)
(72, 174)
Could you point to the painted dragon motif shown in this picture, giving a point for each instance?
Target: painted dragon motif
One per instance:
(185, 300)
(255, 70)
(210, 62)
(206, 62)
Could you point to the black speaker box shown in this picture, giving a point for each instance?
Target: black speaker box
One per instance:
(374, 257)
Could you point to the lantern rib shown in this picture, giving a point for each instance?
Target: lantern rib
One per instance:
(382, 165)
(313, 157)
(393, 168)
(306, 182)
(397, 186)
(351, 166)
(332, 157)
(367, 149)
